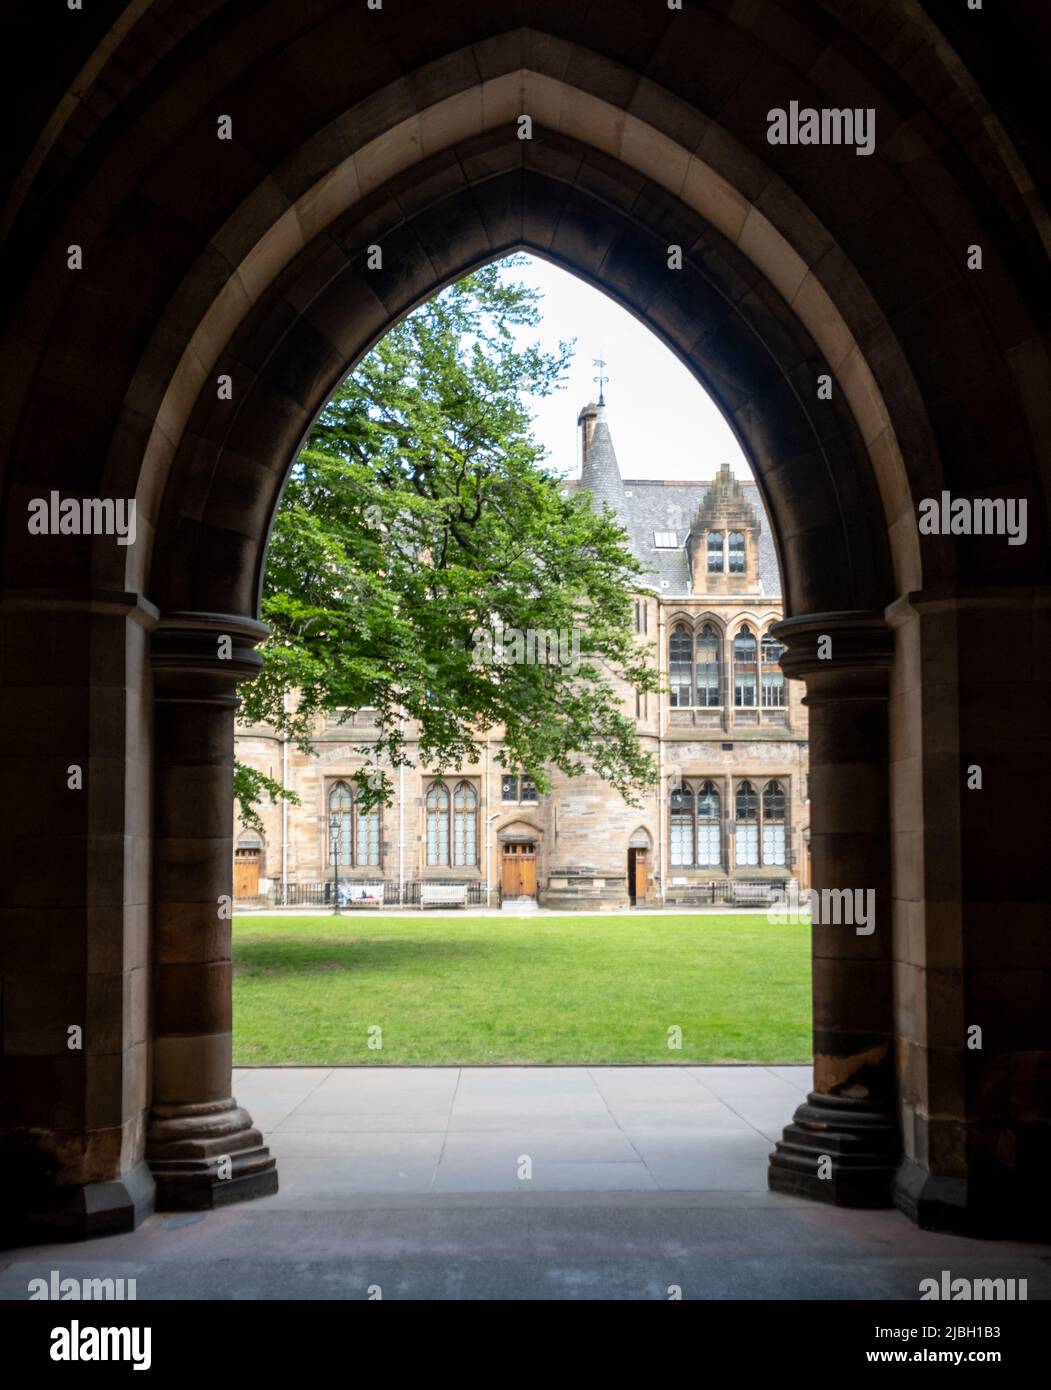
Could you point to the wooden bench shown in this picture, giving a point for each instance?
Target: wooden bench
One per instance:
(443, 894)
(752, 892)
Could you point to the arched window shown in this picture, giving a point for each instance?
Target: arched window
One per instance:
(773, 824)
(465, 825)
(709, 840)
(680, 665)
(367, 845)
(715, 552)
(773, 676)
(744, 667)
(708, 687)
(437, 824)
(682, 828)
(746, 850)
(340, 804)
(736, 548)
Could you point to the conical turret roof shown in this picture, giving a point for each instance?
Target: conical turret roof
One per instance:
(601, 475)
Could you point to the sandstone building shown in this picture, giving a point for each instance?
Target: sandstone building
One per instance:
(727, 732)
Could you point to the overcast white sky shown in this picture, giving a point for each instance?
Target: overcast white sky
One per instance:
(664, 424)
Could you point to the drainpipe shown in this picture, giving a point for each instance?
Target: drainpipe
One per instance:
(661, 704)
(284, 807)
(401, 823)
(486, 789)
(488, 838)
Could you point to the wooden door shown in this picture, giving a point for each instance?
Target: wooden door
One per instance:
(641, 876)
(519, 870)
(246, 874)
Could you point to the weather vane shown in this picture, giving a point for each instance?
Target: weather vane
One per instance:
(600, 362)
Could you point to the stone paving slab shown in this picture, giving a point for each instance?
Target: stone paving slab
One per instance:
(613, 1128)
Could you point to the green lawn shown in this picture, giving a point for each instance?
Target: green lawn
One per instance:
(572, 989)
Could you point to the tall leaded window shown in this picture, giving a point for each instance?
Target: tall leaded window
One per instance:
(773, 824)
(773, 676)
(682, 828)
(746, 851)
(529, 790)
(367, 831)
(437, 824)
(744, 667)
(680, 665)
(715, 552)
(709, 843)
(509, 787)
(736, 549)
(465, 825)
(708, 690)
(340, 819)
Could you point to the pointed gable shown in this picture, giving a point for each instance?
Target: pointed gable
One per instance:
(725, 506)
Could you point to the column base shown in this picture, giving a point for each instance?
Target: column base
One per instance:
(862, 1141)
(206, 1156)
(999, 1210)
(107, 1208)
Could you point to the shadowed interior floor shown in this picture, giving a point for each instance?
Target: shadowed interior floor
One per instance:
(641, 1179)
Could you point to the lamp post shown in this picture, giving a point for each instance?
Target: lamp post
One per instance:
(334, 839)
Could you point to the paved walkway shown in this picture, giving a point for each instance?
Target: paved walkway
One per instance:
(643, 1179)
(339, 1131)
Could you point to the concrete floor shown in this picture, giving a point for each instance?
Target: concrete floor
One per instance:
(413, 1179)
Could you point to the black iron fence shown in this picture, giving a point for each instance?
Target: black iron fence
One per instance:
(359, 893)
(728, 892)
(355, 894)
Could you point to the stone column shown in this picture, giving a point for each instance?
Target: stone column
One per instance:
(201, 1146)
(843, 1144)
(74, 913)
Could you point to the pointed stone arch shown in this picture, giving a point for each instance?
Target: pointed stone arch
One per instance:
(648, 132)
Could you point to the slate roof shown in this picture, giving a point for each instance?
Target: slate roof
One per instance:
(645, 506)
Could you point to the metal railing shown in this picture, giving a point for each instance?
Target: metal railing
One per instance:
(725, 892)
(729, 892)
(394, 895)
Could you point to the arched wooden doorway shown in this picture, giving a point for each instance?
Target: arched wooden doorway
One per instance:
(248, 860)
(640, 849)
(517, 869)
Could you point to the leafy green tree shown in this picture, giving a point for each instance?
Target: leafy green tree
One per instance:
(419, 533)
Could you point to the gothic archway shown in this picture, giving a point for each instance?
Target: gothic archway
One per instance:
(248, 260)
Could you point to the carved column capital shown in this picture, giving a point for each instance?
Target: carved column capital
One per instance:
(204, 656)
(845, 655)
